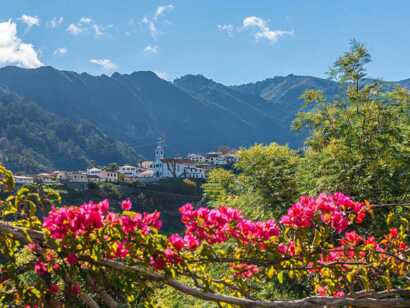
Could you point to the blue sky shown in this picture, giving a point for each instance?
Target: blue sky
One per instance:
(230, 41)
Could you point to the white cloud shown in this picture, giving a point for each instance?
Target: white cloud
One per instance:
(152, 22)
(106, 64)
(161, 10)
(30, 21)
(86, 25)
(262, 29)
(151, 27)
(74, 29)
(151, 49)
(97, 30)
(229, 29)
(60, 51)
(55, 22)
(13, 51)
(85, 20)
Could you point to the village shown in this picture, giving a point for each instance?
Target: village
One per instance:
(192, 166)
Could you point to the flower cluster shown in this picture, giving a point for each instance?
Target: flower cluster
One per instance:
(332, 209)
(218, 225)
(77, 221)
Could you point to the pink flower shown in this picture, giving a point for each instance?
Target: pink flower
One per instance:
(56, 266)
(53, 288)
(177, 241)
(321, 291)
(339, 294)
(72, 259)
(191, 242)
(393, 232)
(245, 270)
(75, 288)
(33, 247)
(126, 205)
(282, 248)
(157, 263)
(40, 268)
(121, 251)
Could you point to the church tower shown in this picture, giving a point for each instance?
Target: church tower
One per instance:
(159, 154)
(159, 151)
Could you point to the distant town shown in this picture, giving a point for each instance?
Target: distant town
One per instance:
(192, 166)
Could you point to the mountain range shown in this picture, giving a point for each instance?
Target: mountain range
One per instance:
(54, 119)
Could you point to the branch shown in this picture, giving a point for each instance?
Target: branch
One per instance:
(107, 299)
(313, 301)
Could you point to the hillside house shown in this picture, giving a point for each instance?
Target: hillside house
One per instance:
(175, 167)
(128, 170)
(23, 180)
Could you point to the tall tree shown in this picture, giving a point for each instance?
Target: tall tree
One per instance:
(359, 143)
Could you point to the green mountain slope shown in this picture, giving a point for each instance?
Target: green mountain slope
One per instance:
(34, 140)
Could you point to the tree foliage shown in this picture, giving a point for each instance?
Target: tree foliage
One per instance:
(265, 177)
(359, 143)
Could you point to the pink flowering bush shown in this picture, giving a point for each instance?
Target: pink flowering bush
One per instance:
(75, 251)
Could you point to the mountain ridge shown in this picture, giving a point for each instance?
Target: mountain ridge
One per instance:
(193, 113)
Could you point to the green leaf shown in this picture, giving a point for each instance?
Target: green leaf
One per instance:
(281, 276)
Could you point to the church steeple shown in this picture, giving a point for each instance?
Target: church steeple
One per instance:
(159, 150)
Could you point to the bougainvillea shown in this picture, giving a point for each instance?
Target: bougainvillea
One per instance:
(92, 254)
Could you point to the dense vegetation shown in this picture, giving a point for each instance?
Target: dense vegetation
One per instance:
(33, 140)
(275, 238)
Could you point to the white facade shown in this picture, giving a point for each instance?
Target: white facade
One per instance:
(128, 170)
(94, 171)
(176, 167)
(109, 176)
(77, 177)
(23, 180)
(198, 158)
(195, 173)
(149, 173)
(215, 158)
(146, 164)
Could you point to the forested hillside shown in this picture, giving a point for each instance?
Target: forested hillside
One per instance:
(33, 140)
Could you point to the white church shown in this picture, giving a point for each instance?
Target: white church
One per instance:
(175, 167)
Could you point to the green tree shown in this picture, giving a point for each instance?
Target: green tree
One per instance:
(359, 143)
(265, 179)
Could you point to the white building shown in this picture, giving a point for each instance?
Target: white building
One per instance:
(198, 158)
(146, 164)
(216, 159)
(128, 170)
(175, 167)
(195, 173)
(23, 180)
(77, 177)
(94, 172)
(149, 173)
(109, 176)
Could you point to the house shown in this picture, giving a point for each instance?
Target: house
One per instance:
(146, 164)
(174, 167)
(23, 180)
(77, 177)
(216, 158)
(195, 173)
(94, 179)
(198, 158)
(146, 174)
(61, 175)
(46, 178)
(93, 172)
(109, 176)
(128, 170)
